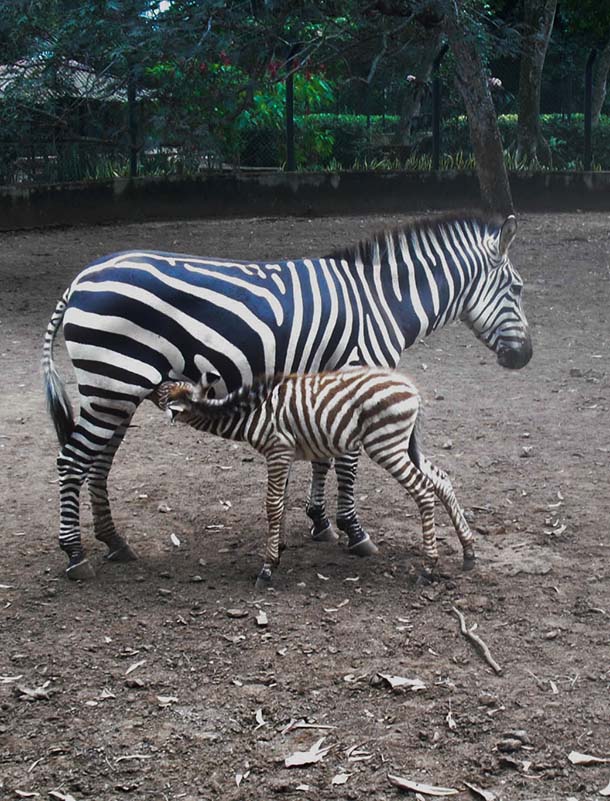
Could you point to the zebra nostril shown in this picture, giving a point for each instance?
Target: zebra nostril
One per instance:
(514, 358)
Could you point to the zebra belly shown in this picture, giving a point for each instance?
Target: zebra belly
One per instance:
(155, 317)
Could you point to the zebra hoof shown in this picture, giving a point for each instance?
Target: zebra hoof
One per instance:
(81, 571)
(364, 547)
(327, 534)
(122, 554)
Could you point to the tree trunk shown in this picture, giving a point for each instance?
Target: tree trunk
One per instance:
(600, 77)
(482, 120)
(414, 94)
(538, 19)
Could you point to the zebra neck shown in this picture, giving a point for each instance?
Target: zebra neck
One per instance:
(436, 272)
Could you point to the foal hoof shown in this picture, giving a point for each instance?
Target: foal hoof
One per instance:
(81, 571)
(364, 547)
(263, 580)
(327, 534)
(122, 554)
(469, 562)
(425, 578)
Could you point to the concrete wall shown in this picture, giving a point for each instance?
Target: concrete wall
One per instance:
(252, 194)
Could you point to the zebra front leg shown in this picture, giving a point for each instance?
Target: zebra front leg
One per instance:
(278, 470)
(359, 542)
(321, 529)
(103, 525)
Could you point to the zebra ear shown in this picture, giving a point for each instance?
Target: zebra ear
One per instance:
(507, 233)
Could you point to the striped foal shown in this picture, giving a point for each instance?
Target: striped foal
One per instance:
(320, 415)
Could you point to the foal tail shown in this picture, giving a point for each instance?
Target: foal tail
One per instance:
(58, 402)
(437, 476)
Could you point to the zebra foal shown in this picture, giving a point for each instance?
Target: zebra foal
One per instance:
(322, 415)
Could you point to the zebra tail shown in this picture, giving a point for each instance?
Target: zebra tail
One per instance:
(58, 402)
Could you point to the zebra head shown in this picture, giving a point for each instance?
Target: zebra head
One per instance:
(494, 309)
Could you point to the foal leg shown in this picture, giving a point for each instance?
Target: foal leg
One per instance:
(398, 463)
(444, 490)
(278, 470)
(359, 542)
(321, 529)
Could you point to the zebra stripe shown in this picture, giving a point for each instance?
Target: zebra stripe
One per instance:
(326, 414)
(134, 320)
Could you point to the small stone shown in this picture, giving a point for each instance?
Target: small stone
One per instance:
(135, 684)
(196, 579)
(552, 635)
(487, 699)
(526, 451)
(236, 613)
(576, 373)
(517, 734)
(164, 574)
(509, 745)
(439, 396)
(447, 445)
(164, 592)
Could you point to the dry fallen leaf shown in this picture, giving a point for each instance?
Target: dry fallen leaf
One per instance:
(486, 795)
(60, 796)
(135, 666)
(576, 758)
(32, 694)
(166, 700)
(417, 787)
(340, 778)
(260, 719)
(396, 682)
(313, 755)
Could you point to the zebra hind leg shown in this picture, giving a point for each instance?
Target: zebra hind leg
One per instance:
(79, 459)
(358, 541)
(103, 525)
(321, 528)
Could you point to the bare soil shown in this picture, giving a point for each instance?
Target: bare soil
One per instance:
(148, 683)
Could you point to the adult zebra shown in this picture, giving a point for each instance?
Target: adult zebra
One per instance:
(136, 319)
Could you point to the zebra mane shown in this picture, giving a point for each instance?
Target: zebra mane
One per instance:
(240, 401)
(366, 248)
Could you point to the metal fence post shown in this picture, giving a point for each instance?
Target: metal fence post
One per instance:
(436, 108)
(290, 153)
(587, 158)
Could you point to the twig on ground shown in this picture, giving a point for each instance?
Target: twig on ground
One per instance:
(478, 643)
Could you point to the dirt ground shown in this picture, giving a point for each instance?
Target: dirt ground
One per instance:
(155, 681)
